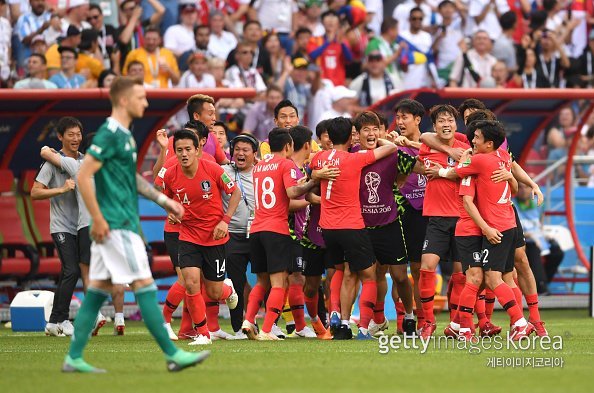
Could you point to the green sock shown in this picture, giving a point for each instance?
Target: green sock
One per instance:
(85, 321)
(146, 298)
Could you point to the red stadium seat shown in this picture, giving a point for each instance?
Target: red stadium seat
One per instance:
(161, 266)
(27, 180)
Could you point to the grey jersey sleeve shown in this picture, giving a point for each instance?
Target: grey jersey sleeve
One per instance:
(70, 165)
(45, 175)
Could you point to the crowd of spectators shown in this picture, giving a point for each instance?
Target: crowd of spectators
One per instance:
(327, 57)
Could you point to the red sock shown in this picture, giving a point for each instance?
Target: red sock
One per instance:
(197, 310)
(367, 302)
(296, 301)
(532, 301)
(186, 319)
(458, 281)
(175, 295)
(427, 290)
(274, 308)
(212, 312)
(378, 312)
(506, 298)
(466, 305)
(400, 311)
(489, 303)
(420, 315)
(479, 309)
(311, 303)
(518, 296)
(335, 286)
(254, 301)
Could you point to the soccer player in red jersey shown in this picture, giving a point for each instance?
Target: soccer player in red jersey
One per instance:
(442, 206)
(198, 185)
(341, 221)
(275, 184)
(494, 214)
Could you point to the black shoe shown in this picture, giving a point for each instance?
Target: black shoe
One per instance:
(409, 326)
(290, 328)
(343, 333)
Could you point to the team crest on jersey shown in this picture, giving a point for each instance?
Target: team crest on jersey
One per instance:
(422, 181)
(476, 256)
(451, 161)
(205, 185)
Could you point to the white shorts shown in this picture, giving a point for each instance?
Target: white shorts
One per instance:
(121, 258)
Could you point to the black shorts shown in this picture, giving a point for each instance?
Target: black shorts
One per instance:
(171, 240)
(520, 239)
(388, 244)
(297, 258)
(470, 250)
(271, 252)
(440, 239)
(67, 248)
(316, 261)
(500, 257)
(238, 244)
(211, 259)
(350, 245)
(414, 227)
(84, 245)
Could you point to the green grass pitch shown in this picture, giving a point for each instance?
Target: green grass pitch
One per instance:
(30, 362)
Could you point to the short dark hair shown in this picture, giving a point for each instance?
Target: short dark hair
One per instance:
(185, 134)
(492, 131)
(302, 30)
(251, 22)
(300, 135)
(152, 29)
(321, 128)
(471, 103)
(278, 138)
(283, 104)
(412, 107)
(199, 127)
(478, 115)
(328, 13)
(340, 130)
(444, 3)
(365, 118)
(196, 102)
(126, 2)
(382, 119)
(221, 124)
(41, 57)
(548, 5)
(198, 27)
(244, 137)
(416, 9)
(121, 85)
(507, 20)
(104, 74)
(95, 7)
(387, 24)
(66, 123)
(436, 110)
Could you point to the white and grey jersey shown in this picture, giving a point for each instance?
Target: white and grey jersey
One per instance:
(63, 208)
(245, 183)
(72, 166)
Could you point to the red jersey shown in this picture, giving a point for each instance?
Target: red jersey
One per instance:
(272, 176)
(341, 205)
(170, 162)
(466, 225)
(201, 199)
(441, 195)
(493, 200)
(219, 154)
(332, 60)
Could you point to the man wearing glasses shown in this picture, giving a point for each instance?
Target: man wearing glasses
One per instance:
(67, 78)
(107, 35)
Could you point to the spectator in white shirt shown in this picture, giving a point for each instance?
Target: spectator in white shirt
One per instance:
(485, 16)
(504, 48)
(277, 15)
(37, 70)
(446, 40)
(180, 38)
(221, 42)
(473, 65)
(375, 12)
(402, 14)
(76, 14)
(417, 75)
(197, 77)
(244, 74)
(375, 84)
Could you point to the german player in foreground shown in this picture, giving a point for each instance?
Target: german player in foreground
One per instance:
(275, 184)
(341, 220)
(118, 254)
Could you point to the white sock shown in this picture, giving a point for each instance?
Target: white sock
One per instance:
(363, 330)
(345, 322)
(409, 316)
(464, 330)
(521, 322)
(119, 315)
(455, 326)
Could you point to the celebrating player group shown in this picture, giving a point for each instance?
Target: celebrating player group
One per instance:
(360, 202)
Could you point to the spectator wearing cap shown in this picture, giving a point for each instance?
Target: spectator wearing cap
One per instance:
(180, 38)
(329, 50)
(475, 64)
(446, 39)
(277, 16)
(29, 25)
(402, 14)
(221, 42)
(260, 118)
(76, 14)
(252, 35)
(302, 82)
(131, 31)
(376, 83)
(39, 45)
(67, 78)
(244, 74)
(107, 36)
(90, 61)
(586, 63)
(385, 44)
(36, 69)
(160, 65)
(504, 48)
(197, 76)
(484, 14)
(343, 102)
(71, 40)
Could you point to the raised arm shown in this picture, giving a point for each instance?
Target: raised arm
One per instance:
(162, 140)
(522, 177)
(159, 12)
